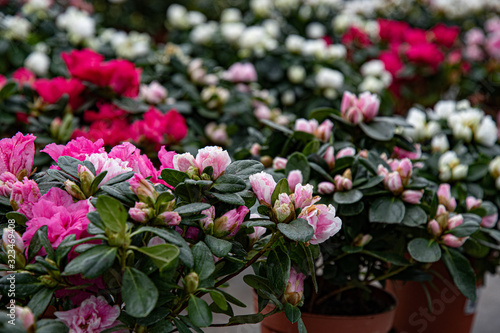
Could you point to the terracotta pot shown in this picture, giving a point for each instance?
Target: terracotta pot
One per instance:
(378, 323)
(452, 312)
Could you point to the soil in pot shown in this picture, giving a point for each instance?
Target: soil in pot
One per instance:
(380, 322)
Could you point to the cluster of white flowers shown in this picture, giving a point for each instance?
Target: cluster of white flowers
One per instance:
(79, 25)
(449, 167)
(344, 20)
(454, 9)
(14, 27)
(179, 17)
(126, 45)
(38, 7)
(330, 81)
(38, 61)
(376, 78)
(494, 169)
(421, 129)
(315, 47)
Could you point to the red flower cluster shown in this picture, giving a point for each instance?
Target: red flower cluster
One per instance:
(356, 36)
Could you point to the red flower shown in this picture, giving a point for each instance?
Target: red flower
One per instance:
(106, 112)
(444, 35)
(52, 90)
(415, 36)
(111, 132)
(328, 40)
(23, 76)
(120, 75)
(357, 36)
(427, 53)
(391, 62)
(159, 128)
(392, 31)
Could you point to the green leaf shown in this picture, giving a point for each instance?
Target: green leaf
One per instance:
(63, 249)
(163, 255)
(18, 217)
(138, 292)
(131, 105)
(244, 168)
(93, 262)
(97, 180)
(40, 301)
(302, 328)
(310, 265)
(469, 226)
(229, 184)
(8, 90)
(292, 313)
(276, 126)
(461, 272)
(297, 230)
(230, 198)
(38, 241)
(219, 247)
(173, 177)
(50, 326)
(392, 258)
(424, 250)
(387, 210)
(297, 161)
(414, 216)
(372, 182)
(247, 319)
(311, 148)
(219, 299)
(230, 298)
(281, 187)
(199, 312)
(181, 327)
(69, 165)
(380, 131)
(476, 172)
(120, 178)
(203, 261)
(348, 197)
(192, 208)
(260, 223)
(321, 171)
(112, 213)
(26, 285)
(278, 269)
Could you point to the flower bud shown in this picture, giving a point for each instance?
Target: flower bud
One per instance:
(329, 157)
(191, 282)
(362, 240)
(405, 169)
(434, 228)
(256, 235)
(326, 188)
(25, 317)
(74, 190)
(393, 183)
(459, 172)
(489, 221)
(156, 241)
(455, 221)
(86, 179)
(284, 208)
(346, 184)
(182, 162)
(255, 150)
(48, 281)
(412, 196)
(207, 223)
(279, 163)
(11, 240)
(169, 218)
(302, 196)
(267, 161)
(143, 189)
(471, 202)
(445, 198)
(263, 186)
(354, 115)
(294, 288)
(7, 181)
(324, 131)
(347, 151)
(229, 224)
(294, 178)
(453, 241)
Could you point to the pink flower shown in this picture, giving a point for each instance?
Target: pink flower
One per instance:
(257, 234)
(106, 112)
(77, 148)
(493, 45)
(322, 218)
(12, 238)
(60, 214)
(228, 225)
(25, 317)
(329, 157)
(412, 196)
(326, 188)
(393, 182)
(159, 128)
(102, 162)
(3, 81)
(445, 198)
(140, 164)
(182, 162)
(17, 154)
(445, 35)
(453, 241)
(342, 183)
(154, 93)
(166, 158)
(283, 208)
(156, 241)
(215, 157)
(207, 223)
(52, 90)
(434, 228)
(324, 131)
(493, 24)
(7, 181)
(191, 232)
(471, 202)
(474, 53)
(308, 126)
(400, 153)
(489, 221)
(24, 196)
(141, 212)
(170, 218)
(405, 170)
(348, 151)
(24, 77)
(294, 287)
(364, 108)
(279, 163)
(455, 221)
(294, 177)
(263, 186)
(93, 316)
(241, 72)
(474, 36)
(303, 196)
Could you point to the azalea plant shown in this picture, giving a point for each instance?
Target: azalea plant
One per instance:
(101, 241)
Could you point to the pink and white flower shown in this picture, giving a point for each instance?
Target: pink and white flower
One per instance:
(263, 186)
(323, 220)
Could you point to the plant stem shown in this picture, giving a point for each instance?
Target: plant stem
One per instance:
(236, 324)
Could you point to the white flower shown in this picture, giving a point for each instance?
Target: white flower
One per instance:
(196, 18)
(38, 62)
(442, 110)
(329, 78)
(288, 97)
(230, 15)
(494, 167)
(294, 43)
(371, 84)
(272, 28)
(154, 93)
(203, 33)
(15, 27)
(373, 67)
(102, 162)
(35, 6)
(232, 31)
(315, 30)
(487, 132)
(440, 143)
(449, 159)
(314, 47)
(261, 8)
(130, 46)
(417, 119)
(79, 25)
(296, 74)
(335, 52)
(459, 172)
(177, 16)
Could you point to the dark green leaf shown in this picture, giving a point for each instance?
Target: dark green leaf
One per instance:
(244, 168)
(387, 210)
(120, 178)
(50, 326)
(292, 313)
(219, 299)
(18, 217)
(173, 177)
(26, 285)
(380, 131)
(424, 250)
(414, 216)
(348, 197)
(297, 230)
(112, 213)
(219, 247)
(301, 326)
(462, 273)
(40, 301)
(297, 161)
(230, 198)
(92, 263)
(203, 261)
(247, 319)
(192, 208)
(138, 292)
(69, 165)
(278, 269)
(229, 184)
(199, 312)
(281, 187)
(163, 255)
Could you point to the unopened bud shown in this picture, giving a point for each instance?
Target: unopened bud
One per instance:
(143, 189)
(74, 190)
(48, 281)
(362, 240)
(86, 179)
(267, 161)
(191, 282)
(169, 218)
(326, 188)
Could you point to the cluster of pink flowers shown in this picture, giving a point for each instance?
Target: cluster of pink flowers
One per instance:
(488, 221)
(399, 176)
(479, 45)
(226, 226)
(213, 157)
(321, 131)
(241, 73)
(359, 109)
(321, 217)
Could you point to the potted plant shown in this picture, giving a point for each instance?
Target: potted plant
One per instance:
(104, 241)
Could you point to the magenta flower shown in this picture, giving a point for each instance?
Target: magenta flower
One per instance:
(7, 181)
(323, 220)
(52, 90)
(294, 177)
(294, 288)
(228, 225)
(303, 197)
(77, 148)
(24, 195)
(166, 158)
(60, 214)
(141, 164)
(263, 185)
(93, 316)
(215, 157)
(17, 154)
